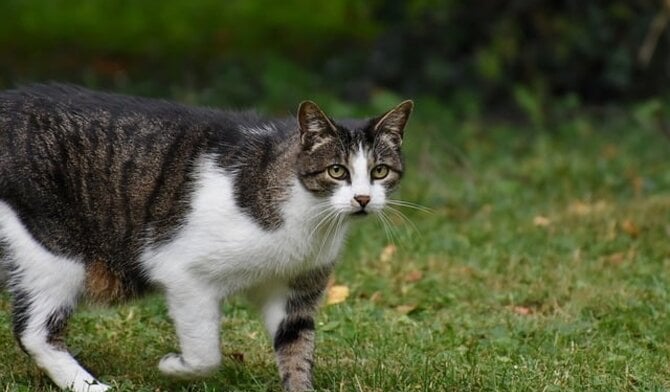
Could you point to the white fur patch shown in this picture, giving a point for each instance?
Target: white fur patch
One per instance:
(273, 307)
(51, 283)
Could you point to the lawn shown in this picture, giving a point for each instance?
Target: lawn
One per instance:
(543, 264)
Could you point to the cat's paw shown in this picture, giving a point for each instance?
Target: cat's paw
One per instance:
(99, 387)
(88, 386)
(176, 366)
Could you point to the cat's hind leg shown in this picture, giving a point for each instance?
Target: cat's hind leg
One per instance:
(45, 290)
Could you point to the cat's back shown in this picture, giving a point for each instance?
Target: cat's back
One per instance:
(100, 170)
(58, 110)
(46, 126)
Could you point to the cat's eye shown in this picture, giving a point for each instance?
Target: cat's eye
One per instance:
(380, 171)
(338, 172)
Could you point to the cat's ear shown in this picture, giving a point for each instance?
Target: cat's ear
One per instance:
(393, 122)
(314, 124)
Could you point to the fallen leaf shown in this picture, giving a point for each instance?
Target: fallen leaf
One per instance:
(405, 309)
(616, 258)
(629, 227)
(611, 230)
(387, 253)
(541, 221)
(376, 296)
(237, 356)
(610, 151)
(637, 183)
(577, 254)
(581, 208)
(522, 310)
(337, 294)
(485, 210)
(413, 276)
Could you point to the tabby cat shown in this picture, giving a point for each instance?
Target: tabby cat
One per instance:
(105, 197)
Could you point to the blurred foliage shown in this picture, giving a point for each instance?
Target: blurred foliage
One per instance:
(473, 52)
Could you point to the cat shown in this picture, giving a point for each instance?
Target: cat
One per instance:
(105, 197)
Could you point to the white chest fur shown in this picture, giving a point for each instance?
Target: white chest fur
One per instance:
(223, 246)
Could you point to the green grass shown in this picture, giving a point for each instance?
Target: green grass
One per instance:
(543, 266)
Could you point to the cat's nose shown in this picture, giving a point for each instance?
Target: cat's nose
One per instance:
(363, 200)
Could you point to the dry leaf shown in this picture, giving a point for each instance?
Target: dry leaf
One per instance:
(413, 276)
(541, 221)
(337, 294)
(616, 258)
(577, 254)
(522, 310)
(376, 296)
(637, 183)
(405, 309)
(610, 151)
(237, 356)
(581, 208)
(387, 253)
(629, 227)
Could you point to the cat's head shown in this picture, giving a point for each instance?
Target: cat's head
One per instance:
(354, 164)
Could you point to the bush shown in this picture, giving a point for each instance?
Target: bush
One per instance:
(436, 47)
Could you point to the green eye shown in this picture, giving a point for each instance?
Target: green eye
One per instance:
(338, 172)
(380, 171)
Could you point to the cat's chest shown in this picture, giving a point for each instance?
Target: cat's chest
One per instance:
(222, 243)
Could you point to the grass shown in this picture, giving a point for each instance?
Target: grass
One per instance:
(544, 265)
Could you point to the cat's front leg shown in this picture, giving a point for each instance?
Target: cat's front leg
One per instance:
(289, 318)
(195, 311)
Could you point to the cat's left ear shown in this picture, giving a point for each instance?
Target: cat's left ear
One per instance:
(393, 122)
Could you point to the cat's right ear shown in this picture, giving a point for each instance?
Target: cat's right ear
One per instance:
(314, 124)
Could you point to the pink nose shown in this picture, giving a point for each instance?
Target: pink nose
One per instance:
(363, 200)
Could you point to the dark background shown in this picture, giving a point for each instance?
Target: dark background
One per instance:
(509, 58)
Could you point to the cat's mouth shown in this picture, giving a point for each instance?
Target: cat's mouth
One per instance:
(360, 213)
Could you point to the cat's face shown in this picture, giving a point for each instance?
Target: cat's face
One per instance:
(354, 165)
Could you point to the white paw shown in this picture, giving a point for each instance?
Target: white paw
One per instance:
(176, 366)
(99, 387)
(89, 386)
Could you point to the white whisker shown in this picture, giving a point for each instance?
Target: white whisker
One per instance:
(330, 225)
(386, 226)
(405, 219)
(409, 204)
